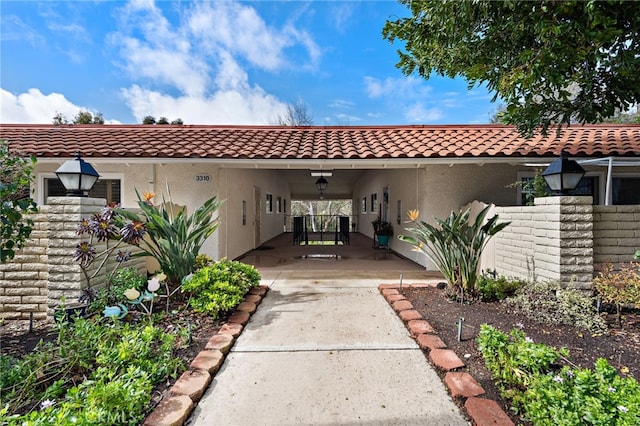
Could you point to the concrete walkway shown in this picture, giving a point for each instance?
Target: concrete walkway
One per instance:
(324, 348)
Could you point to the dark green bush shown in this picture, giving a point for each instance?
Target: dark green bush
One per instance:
(220, 287)
(499, 288)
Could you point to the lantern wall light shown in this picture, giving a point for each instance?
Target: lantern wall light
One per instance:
(563, 175)
(77, 176)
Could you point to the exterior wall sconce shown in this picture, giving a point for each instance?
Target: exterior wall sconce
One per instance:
(563, 175)
(77, 176)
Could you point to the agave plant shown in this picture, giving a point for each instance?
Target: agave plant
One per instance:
(173, 238)
(455, 244)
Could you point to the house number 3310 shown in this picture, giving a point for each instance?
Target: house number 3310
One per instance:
(203, 178)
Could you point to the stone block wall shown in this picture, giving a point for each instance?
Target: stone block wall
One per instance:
(552, 240)
(43, 274)
(23, 280)
(616, 233)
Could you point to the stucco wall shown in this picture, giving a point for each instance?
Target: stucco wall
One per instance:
(242, 185)
(435, 190)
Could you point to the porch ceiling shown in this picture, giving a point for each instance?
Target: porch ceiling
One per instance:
(302, 184)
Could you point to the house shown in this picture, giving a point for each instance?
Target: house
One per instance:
(384, 170)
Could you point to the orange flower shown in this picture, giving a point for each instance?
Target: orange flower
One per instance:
(148, 196)
(413, 214)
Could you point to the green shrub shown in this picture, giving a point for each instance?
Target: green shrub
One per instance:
(220, 287)
(583, 397)
(522, 370)
(455, 245)
(514, 359)
(619, 288)
(121, 280)
(548, 302)
(173, 237)
(202, 260)
(499, 288)
(105, 399)
(107, 355)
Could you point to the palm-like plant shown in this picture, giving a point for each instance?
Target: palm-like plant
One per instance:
(455, 244)
(173, 238)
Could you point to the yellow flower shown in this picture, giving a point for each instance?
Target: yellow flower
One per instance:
(131, 294)
(418, 247)
(148, 196)
(413, 214)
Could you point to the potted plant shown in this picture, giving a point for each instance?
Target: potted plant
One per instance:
(383, 231)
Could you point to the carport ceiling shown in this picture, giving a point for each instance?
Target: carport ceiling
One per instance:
(302, 184)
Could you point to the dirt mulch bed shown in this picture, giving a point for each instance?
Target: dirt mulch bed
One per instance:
(620, 347)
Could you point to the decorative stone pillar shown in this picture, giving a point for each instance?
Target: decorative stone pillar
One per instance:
(564, 240)
(66, 279)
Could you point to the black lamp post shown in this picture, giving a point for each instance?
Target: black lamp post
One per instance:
(563, 175)
(77, 176)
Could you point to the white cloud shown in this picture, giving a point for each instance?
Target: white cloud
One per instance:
(194, 69)
(34, 107)
(252, 106)
(406, 87)
(13, 28)
(417, 113)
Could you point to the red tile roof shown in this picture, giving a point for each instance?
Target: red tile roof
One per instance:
(276, 142)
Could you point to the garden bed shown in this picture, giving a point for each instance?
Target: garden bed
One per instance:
(620, 346)
(17, 341)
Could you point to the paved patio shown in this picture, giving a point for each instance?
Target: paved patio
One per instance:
(324, 348)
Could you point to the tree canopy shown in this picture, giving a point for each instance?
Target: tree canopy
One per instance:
(16, 174)
(551, 62)
(82, 117)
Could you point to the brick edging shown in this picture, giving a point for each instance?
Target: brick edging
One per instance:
(177, 404)
(461, 385)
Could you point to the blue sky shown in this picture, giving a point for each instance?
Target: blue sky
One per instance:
(222, 62)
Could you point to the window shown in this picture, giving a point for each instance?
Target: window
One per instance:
(244, 212)
(589, 185)
(269, 203)
(109, 189)
(363, 205)
(279, 204)
(625, 190)
(374, 203)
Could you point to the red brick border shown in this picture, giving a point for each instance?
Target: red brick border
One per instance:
(461, 384)
(178, 403)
